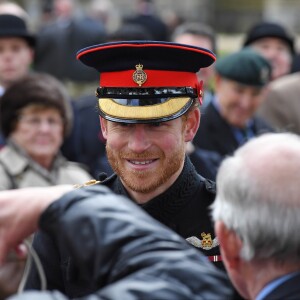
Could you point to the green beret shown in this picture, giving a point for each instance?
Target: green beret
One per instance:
(245, 66)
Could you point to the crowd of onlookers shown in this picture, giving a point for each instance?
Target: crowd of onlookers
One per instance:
(52, 50)
(50, 128)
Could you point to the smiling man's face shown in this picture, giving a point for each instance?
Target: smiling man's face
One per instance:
(147, 157)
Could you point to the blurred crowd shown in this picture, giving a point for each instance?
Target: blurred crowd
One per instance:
(52, 48)
(50, 129)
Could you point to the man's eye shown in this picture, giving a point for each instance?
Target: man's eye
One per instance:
(155, 124)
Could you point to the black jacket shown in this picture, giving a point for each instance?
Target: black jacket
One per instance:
(206, 162)
(58, 42)
(104, 246)
(184, 207)
(288, 290)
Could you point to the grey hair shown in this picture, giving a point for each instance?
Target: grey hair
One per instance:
(258, 197)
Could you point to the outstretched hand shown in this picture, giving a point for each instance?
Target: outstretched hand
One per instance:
(20, 211)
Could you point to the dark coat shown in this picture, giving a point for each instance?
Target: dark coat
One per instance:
(206, 162)
(105, 245)
(58, 43)
(86, 144)
(215, 133)
(184, 207)
(288, 290)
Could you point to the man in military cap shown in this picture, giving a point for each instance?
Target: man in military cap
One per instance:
(149, 99)
(229, 120)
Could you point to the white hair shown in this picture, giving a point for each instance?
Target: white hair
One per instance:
(258, 197)
(12, 8)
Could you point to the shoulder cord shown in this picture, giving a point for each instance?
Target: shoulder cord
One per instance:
(10, 177)
(32, 256)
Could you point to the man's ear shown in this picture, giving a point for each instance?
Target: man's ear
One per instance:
(230, 246)
(192, 124)
(103, 124)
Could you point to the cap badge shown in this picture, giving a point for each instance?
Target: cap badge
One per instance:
(139, 76)
(207, 243)
(264, 75)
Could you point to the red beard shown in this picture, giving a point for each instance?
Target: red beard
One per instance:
(146, 181)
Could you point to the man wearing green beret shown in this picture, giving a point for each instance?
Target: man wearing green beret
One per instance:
(229, 120)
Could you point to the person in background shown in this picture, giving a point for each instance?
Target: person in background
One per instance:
(16, 49)
(281, 107)
(275, 43)
(66, 34)
(256, 215)
(114, 246)
(200, 35)
(147, 16)
(106, 12)
(230, 120)
(35, 117)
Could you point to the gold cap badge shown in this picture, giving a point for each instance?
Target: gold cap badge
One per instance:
(139, 76)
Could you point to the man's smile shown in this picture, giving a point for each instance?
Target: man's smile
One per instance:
(143, 162)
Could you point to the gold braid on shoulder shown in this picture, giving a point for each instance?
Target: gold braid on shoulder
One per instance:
(87, 183)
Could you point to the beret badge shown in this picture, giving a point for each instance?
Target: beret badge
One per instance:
(139, 76)
(264, 75)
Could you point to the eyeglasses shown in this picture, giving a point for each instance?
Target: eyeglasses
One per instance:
(37, 121)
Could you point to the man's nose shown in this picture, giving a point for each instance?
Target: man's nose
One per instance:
(45, 125)
(139, 140)
(245, 101)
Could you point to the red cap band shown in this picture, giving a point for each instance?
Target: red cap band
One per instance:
(155, 78)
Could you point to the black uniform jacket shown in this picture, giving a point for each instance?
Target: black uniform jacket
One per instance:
(184, 207)
(215, 133)
(95, 243)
